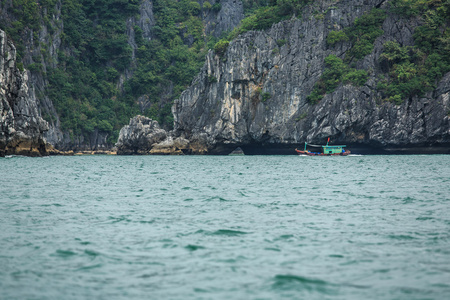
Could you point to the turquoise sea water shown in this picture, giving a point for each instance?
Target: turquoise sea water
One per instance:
(225, 227)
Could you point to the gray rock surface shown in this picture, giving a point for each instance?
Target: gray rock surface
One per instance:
(144, 136)
(226, 19)
(140, 136)
(21, 127)
(38, 81)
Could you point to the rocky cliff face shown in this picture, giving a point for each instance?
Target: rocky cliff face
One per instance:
(42, 44)
(45, 49)
(41, 50)
(254, 96)
(21, 127)
(226, 19)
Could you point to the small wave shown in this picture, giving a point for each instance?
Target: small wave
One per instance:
(229, 232)
(89, 267)
(64, 253)
(284, 237)
(382, 271)
(299, 282)
(440, 285)
(148, 275)
(289, 278)
(424, 218)
(401, 237)
(272, 249)
(91, 253)
(408, 200)
(119, 219)
(215, 198)
(147, 222)
(242, 194)
(194, 247)
(21, 210)
(53, 204)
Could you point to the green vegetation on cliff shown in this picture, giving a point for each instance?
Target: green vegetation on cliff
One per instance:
(406, 70)
(335, 73)
(362, 35)
(166, 65)
(163, 67)
(95, 51)
(414, 70)
(262, 15)
(83, 86)
(27, 17)
(100, 81)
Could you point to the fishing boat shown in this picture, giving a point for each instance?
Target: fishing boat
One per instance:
(327, 150)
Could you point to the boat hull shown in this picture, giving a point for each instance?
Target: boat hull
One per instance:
(308, 153)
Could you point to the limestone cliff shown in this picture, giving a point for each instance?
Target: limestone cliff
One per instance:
(43, 34)
(21, 127)
(226, 19)
(255, 95)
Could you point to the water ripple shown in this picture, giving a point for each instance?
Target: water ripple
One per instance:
(223, 227)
